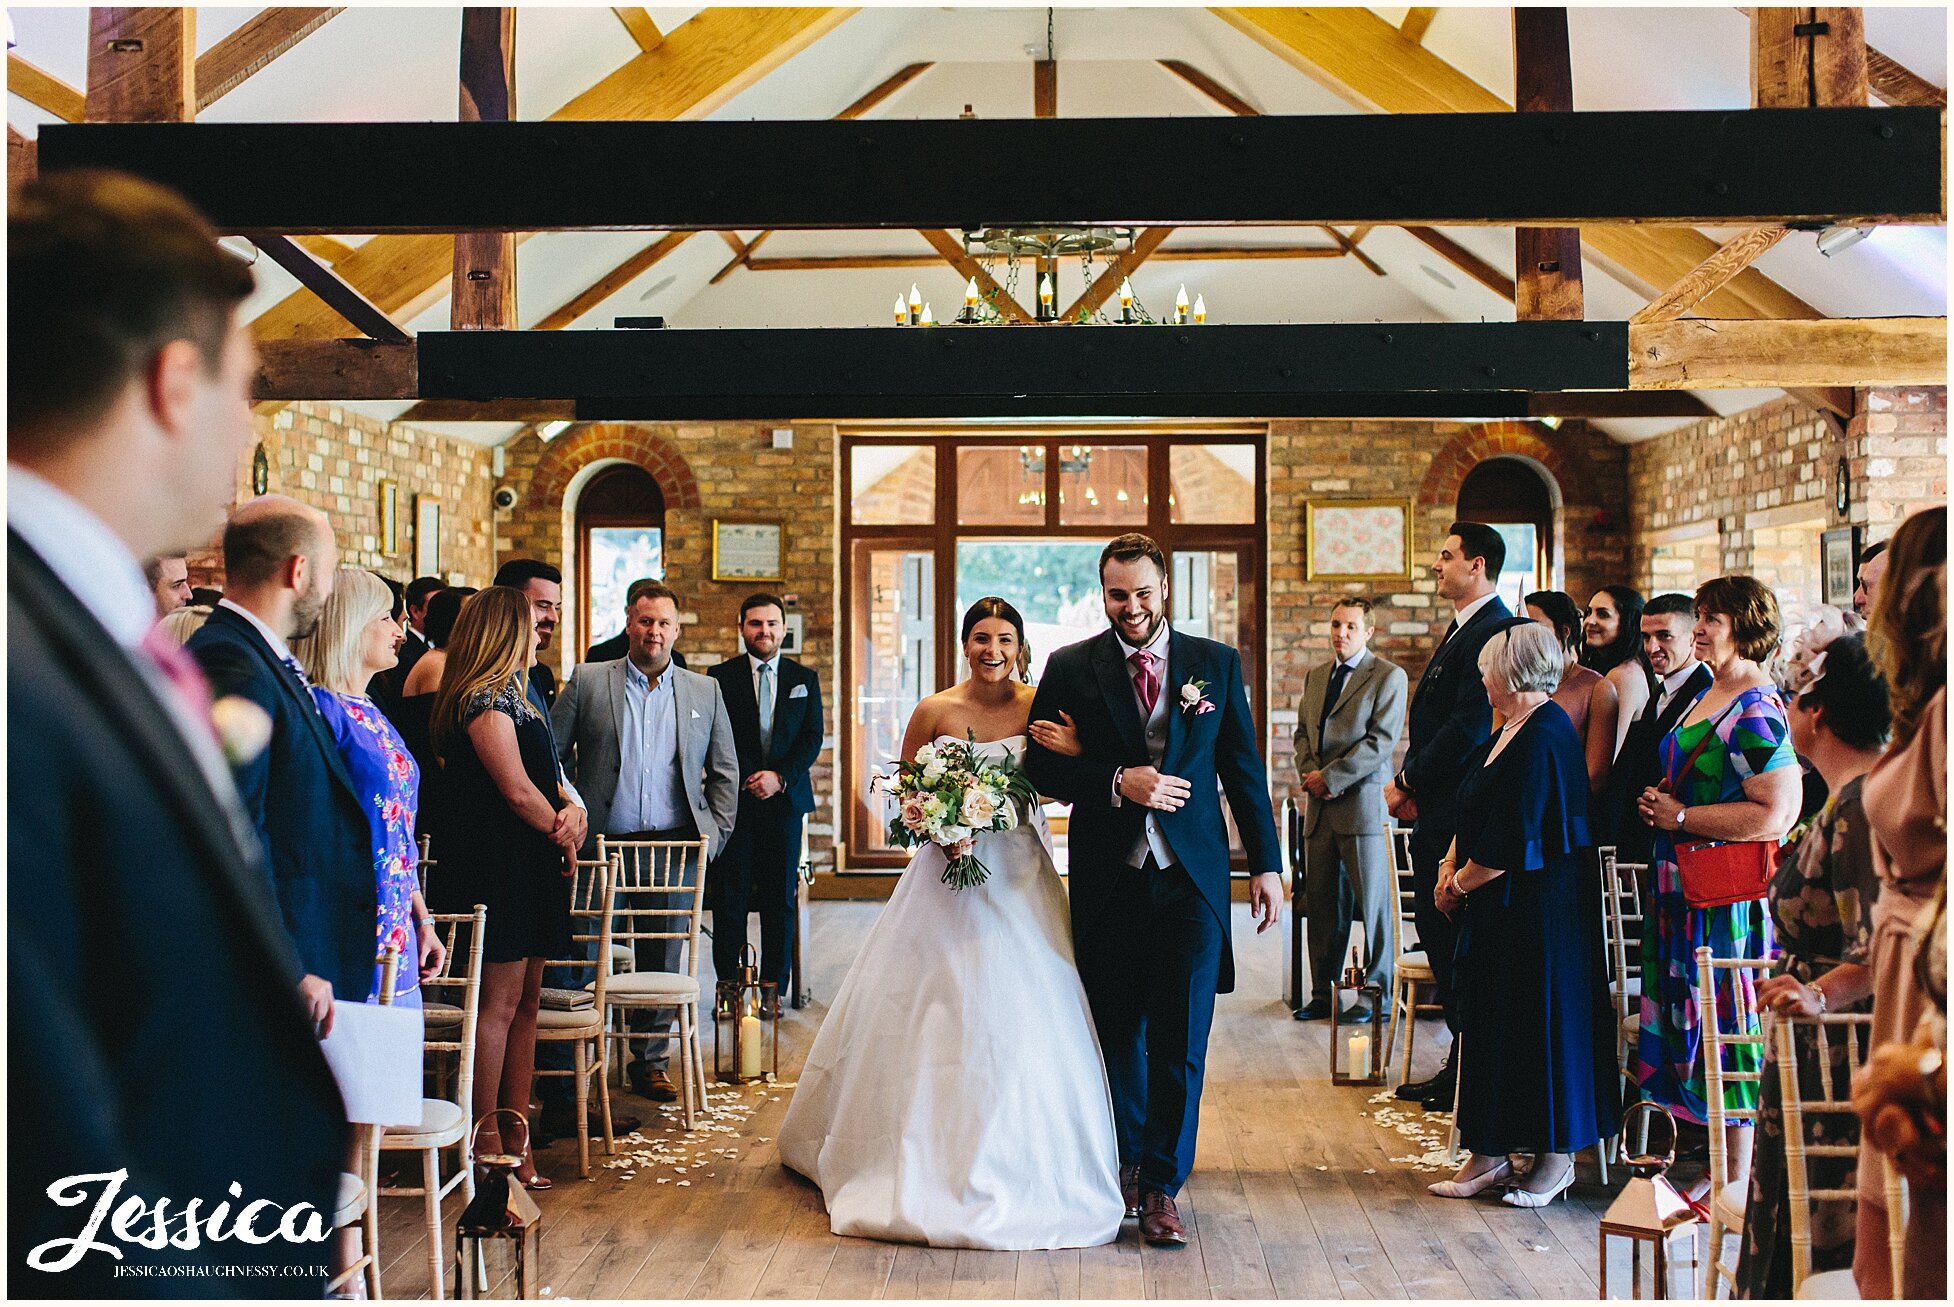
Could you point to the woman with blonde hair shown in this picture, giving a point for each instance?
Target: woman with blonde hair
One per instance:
(512, 835)
(356, 639)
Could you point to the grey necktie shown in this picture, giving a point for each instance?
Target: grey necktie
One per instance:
(766, 710)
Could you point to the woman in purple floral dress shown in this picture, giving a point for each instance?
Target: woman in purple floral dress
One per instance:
(355, 639)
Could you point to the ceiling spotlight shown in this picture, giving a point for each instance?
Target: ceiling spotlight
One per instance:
(1834, 239)
(549, 431)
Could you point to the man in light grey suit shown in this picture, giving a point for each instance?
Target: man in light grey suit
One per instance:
(1352, 710)
(650, 747)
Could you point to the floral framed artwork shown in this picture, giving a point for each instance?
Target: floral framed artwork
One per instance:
(1357, 540)
(1838, 558)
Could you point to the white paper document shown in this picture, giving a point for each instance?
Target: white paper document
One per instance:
(375, 1054)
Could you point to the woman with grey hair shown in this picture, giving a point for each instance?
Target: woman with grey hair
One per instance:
(1537, 1061)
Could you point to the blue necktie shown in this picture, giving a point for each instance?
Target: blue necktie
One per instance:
(297, 669)
(1337, 678)
(766, 710)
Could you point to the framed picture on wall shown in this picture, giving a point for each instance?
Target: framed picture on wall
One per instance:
(1838, 565)
(1357, 540)
(427, 535)
(745, 551)
(389, 518)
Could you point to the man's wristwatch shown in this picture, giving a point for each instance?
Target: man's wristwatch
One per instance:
(1818, 992)
(1404, 786)
(1680, 814)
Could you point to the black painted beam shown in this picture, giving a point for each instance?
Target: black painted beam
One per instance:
(1552, 169)
(1400, 369)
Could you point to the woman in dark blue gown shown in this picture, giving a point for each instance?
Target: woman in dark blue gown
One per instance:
(1537, 1065)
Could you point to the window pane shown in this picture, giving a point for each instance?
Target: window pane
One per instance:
(1208, 598)
(893, 485)
(1054, 584)
(896, 669)
(1212, 483)
(1001, 485)
(1102, 485)
(1521, 574)
(619, 555)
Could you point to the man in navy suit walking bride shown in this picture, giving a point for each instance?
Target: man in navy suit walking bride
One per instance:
(1164, 722)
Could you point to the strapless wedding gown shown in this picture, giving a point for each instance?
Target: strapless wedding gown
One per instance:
(955, 1094)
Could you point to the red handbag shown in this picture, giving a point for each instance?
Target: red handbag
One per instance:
(1717, 873)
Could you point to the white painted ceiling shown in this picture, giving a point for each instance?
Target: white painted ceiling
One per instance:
(389, 63)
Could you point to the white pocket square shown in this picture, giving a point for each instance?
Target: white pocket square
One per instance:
(798, 692)
(695, 714)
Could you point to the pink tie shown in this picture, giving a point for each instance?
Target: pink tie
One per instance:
(1145, 681)
(180, 670)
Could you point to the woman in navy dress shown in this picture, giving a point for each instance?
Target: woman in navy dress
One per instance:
(1537, 1065)
(356, 639)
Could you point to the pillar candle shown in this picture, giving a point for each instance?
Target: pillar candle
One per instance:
(750, 1064)
(1360, 1056)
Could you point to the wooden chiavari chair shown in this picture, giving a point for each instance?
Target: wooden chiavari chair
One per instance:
(656, 895)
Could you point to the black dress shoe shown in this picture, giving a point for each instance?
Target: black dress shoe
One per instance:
(1417, 1090)
(1439, 1097)
(1317, 1009)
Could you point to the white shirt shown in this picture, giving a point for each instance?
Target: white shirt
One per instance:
(1673, 682)
(1464, 615)
(1152, 839)
(83, 554)
(753, 667)
(279, 649)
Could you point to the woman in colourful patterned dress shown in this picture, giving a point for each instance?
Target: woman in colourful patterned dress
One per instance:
(1821, 903)
(1742, 785)
(356, 638)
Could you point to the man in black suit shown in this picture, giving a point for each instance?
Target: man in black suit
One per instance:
(543, 583)
(1449, 717)
(1668, 627)
(279, 560)
(158, 1042)
(413, 642)
(775, 707)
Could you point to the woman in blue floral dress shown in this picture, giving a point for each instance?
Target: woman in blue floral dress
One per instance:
(357, 638)
(1743, 785)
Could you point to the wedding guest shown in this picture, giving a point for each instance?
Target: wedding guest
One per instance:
(384, 687)
(609, 651)
(1729, 774)
(169, 582)
(280, 560)
(180, 625)
(1668, 646)
(542, 583)
(1538, 1068)
(1612, 645)
(1906, 809)
(653, 745)
(415, 640)
(1585, 695)
(1872, 568)
(512, 840)
(1821, 903)
(413, 714)
(1449, 716)
(1346, 727)
(155, 1023)
(353, 643)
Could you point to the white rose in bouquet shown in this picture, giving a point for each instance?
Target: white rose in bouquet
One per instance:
(953, 835)
(926, 755)
(979, 808)
(1007, 817)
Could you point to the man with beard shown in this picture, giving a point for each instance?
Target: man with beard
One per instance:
(279, 561)
(543, 583)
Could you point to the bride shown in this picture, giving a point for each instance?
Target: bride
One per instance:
(955, 1095)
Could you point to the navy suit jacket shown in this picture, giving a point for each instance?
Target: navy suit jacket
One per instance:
(797, 725)
(154, 1017)
(1449, 717)
(303, 801)
(1214, 752)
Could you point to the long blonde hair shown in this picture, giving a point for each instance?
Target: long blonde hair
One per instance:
(331, 654)
(488, 648)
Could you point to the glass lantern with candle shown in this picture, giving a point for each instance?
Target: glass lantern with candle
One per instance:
(746, 1025)
(1357, 1049)
(499, 1236)
(1649, 1212)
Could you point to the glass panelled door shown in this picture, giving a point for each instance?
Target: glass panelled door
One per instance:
(894, 656)
(1212, 595)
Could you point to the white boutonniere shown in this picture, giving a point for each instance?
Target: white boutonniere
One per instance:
(1194, 698)
(243, 728)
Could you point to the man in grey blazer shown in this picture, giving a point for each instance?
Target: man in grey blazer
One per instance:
(650, 747)
(1351, 713)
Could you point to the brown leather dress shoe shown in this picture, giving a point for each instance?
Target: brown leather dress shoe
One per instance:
(647, 1083)
(1129, 1189)
(1160, 1221)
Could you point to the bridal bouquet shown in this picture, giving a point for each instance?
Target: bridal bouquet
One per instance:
(947, 796)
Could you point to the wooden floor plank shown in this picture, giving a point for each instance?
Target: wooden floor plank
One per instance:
(1113, 1270)
(860, 1270)
(984, 1274)
(1047, 1275)
(925, 1273)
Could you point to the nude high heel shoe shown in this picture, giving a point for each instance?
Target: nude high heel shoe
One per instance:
(1522, 1197)
(1493, 1175)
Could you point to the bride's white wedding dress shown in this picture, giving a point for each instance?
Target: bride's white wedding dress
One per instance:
(955, 1094)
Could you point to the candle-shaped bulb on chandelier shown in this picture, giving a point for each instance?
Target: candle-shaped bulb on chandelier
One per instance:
(1126, 299)
(1180, 306)
(1200, 310)
(928, 319)
(902, 312)
(915, 304)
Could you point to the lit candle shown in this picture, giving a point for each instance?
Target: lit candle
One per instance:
(1126, 292)
(1180, 306)
(915, 305)
(1200, 310)
(1045, 291)
(902, 312)
(970, 295)
(1360, 1055)
(928, 319)
(750, 1064)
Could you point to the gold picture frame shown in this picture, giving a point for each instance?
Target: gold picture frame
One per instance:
(389, 518)
(747, 550)
(1357, 540)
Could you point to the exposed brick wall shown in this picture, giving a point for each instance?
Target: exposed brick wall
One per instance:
(335, 460)
(704, 470)
(1746, 493)
(1425, 462)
